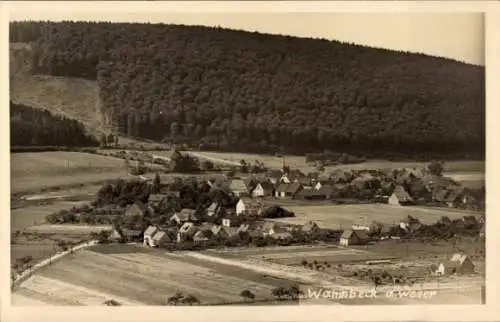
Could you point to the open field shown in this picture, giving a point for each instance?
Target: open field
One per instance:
(28, 216)
(293, 255)
(136, 277)
(39, 170)
(68, 229)
(343, 216)
(299, 162)
(40, 246)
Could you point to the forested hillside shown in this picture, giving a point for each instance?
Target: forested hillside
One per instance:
(34, 127)
(235, 90)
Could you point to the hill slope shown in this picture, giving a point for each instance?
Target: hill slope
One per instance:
(71, 97)
(243, 91)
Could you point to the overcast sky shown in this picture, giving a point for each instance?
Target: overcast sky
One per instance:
(454, 35)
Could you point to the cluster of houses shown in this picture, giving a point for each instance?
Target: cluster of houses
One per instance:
(386, 186)
(245, 220)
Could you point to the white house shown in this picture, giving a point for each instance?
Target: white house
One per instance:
(148, 235)
(263, 189)
(247, 205)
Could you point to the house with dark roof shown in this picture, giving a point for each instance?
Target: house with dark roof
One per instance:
(310, 194)
(263, 189)
(459, 264)
(139, 209)
(353, 237)
(288, 190)
(400, 197)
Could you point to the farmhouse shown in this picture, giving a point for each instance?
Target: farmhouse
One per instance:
(200, 236)
(214, 209)
(459, 264)
(183, 216)
(353, 237)
(186, 231)
(138, 209)
(248, 206)
(159, 239)
(310, 194)
(327, 191)
(148, 235)
(399, 197)
(263, 189)
(116, 235)
(131, 234)
(281, 234)
(238, 187)
(288, 190)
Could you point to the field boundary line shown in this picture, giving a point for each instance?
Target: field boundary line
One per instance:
(48, 261)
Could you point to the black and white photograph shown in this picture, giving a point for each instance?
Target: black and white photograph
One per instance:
(247, 159)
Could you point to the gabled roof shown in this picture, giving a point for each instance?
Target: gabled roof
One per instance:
(237, 185)
(281, 187)
(248, 202)
(187, 214)
(243, 228)
(401, 193)
(139, 205)
(150, 230)
(459, 259)
(310, 193)
(213, 206)
(293, 187)
(360, 233)
(230, 231)
(187, 226)
(131, 232)
(159, 235)
(200, 235)
(439, 194)
(266, 185)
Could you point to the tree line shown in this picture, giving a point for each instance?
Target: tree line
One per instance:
(34, 127)
(241, 91)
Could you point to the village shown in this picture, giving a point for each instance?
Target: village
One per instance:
(252, 210)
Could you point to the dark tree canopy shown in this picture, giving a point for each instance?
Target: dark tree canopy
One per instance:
(236, 90)
(34, 127)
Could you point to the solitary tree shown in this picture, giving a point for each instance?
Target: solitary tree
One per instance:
(247, 295)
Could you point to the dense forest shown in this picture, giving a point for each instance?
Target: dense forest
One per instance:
(235, 90)
(34, 127)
